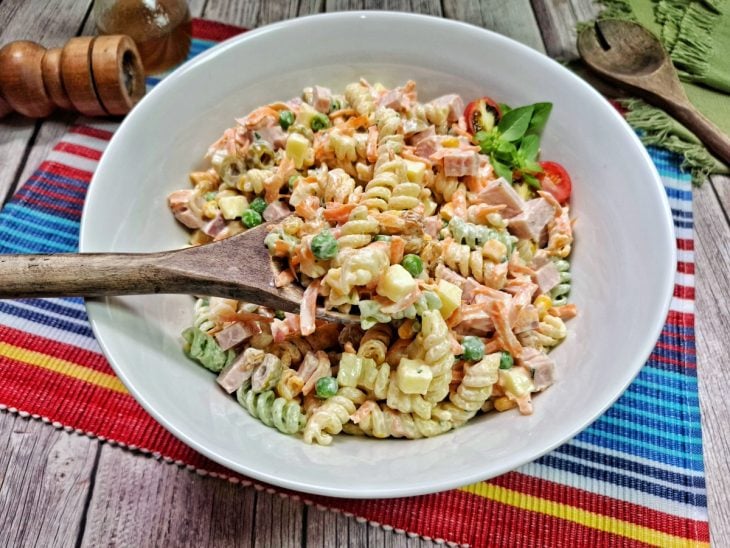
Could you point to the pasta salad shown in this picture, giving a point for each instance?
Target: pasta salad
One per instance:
(433, 222)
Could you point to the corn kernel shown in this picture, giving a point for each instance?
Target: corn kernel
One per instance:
(504, 404)
(450, 142)
(210, 209)
(543, 303)
(494, 250)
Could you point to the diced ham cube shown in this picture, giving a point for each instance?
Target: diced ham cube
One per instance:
(240, 369)
(179, 202)
(541, 258)
(531, 224)
(547, 277)
(321, 98)
(527, 319)
(432, 225)
(276, 211)
(214, 227)
(542, 366)
(445, 273)
(455, 104)
(458, 163)
(395, 99)
(427, 147)
(500, 192)
(232, 335)
(421, 135)
(272, 134)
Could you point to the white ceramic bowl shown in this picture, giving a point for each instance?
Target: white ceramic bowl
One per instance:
(623, 260)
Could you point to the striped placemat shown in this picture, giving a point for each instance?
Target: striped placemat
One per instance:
(635, 477)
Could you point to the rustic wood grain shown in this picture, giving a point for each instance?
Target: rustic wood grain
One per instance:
(251, 14)
(558, 20)
(712, 257)
(51, 24)
(721, 185)
(44, 478)
(425, 7)
(514, 19)
(138, 501)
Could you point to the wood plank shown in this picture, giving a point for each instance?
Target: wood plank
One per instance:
(426, 7)
(44, 480)
(50, 23)
(713, 325)
(139, 501)
(721, 184)
(558, 20)
(327, 529)
(514, 19)
(251, 14)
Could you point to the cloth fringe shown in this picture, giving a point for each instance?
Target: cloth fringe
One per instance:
(657, 128)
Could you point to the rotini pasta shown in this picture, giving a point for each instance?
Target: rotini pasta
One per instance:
(390, 209)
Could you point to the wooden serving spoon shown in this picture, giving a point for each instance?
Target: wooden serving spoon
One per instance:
(629, 55)
(238, 267)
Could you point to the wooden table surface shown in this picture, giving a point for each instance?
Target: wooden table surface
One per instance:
(61, 488)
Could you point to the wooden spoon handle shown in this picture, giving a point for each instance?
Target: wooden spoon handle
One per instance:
(711, 136)
(87, 274)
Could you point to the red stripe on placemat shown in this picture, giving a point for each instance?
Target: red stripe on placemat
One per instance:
(684, 292)
(92, 132)
(55, 349)
(214, 31)
(685, 245)
(685, 268)
(471, 519)
(67, 171)
(75, 212)
(601, 504)
(78, 150)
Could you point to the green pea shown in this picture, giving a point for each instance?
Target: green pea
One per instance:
(324, 245)
(258, 205)
(320, 121)
(473, 348)
(326, 387)
(286, 119)
(209, 196)
(279, 315)
(506, 361)
(335, 105)
(251, 218)
(413, 264)
(292, 180)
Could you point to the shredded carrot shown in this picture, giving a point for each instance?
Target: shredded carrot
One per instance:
(371, 151)
(307, 208)
(309, 308)
(337, 213)
(397, 247)
(564, 312)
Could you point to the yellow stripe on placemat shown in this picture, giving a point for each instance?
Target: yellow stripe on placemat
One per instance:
(578, 515)
(63, 367)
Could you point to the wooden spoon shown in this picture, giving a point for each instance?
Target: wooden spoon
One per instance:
(238, 267)
(629, 55)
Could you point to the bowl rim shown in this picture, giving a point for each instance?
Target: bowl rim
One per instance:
(302, 485)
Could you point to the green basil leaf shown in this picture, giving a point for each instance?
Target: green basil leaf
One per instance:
(531, 181)
(501, 169)
(530, 146)
(514, 124)
(540, 114)
(532, 167)
(504, 108)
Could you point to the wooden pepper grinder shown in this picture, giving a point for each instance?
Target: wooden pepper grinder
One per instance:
(94, 75)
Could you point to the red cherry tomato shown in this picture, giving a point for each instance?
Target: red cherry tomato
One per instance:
(482, 115)
(555, 180)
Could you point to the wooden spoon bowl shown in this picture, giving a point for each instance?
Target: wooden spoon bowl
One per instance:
(627, 54)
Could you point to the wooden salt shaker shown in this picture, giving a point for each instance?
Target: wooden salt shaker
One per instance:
(94, 75)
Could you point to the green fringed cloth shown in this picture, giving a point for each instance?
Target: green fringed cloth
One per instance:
(696, 33)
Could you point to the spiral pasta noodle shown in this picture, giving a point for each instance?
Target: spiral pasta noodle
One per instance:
(385, 207)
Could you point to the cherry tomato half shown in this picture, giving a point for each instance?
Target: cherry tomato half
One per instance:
(482, 115)
(555, 180)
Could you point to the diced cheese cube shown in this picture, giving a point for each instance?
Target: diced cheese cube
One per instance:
(297, 146)
(350, 369)
(306, 113)
(232, 206)
(413, 376)
(450, 296)
(396, 283)
(415, 171)
(516, 381)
